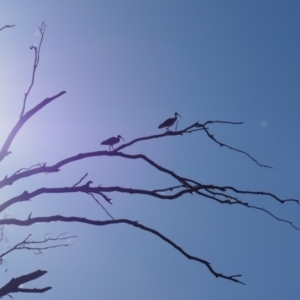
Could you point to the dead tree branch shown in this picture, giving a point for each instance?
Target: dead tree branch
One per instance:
(13, 285)
(59, 218)
(80, 180)
(6, 26)
(37, 51)
(188, 185)
(229, 147)
(29, 244)
(25, 116)
(4, 151)
(55, 168)
(98, 202)
(30, 168)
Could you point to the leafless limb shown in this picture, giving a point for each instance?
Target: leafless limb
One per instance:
(98, 202)
(13, 285)
(273, 216)
(37, 51)
(229, 147)
(4, 151)
(55, 168)
(104, 197)
(168, 189)
(6, 26)
(25, 116)
(188, 185)
(80, 180)
(118, 221)
(30, 168)
(29, 244)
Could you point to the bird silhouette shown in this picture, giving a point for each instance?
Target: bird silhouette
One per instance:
(112, 141)
(169, 122)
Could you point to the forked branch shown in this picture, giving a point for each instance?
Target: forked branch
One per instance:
(13, 286)
(25, 116)
(221, 194)
(5, 148)
(211, 136)
(55, 168)
(40, 245)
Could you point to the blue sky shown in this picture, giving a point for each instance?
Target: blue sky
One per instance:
(126, 67)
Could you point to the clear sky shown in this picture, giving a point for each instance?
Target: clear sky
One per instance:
(127, 66)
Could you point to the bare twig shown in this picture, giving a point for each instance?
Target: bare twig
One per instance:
(98, 202)
(27, 244)
(6, 26)
(168, 189)
(30, 168)
(273, 216)
(229, 147)
(37, 51)
(80, 179)
(104, 197)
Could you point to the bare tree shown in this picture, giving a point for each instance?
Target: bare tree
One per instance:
(227, 195)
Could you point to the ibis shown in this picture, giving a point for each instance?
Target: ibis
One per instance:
(111, 141)
(169, 122)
